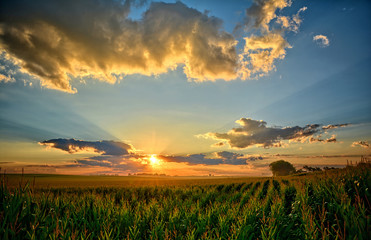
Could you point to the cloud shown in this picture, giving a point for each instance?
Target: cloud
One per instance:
(6, 79)
(332, 139)
(117, 157)
(363, 144)
(121, 158)
(263, 49)
(333, 126)
(321, 40)
(102, 147)
(291, 23)
(262, 12)
(56, 39)
(219, 144)
(135, 163)
(216, 158)
(59, 40)
(228, 155)
(142, 161)
(121, 164)
(237, 158)
(256, 133)
(192, 159)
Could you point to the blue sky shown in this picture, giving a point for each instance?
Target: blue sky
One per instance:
(169, 112)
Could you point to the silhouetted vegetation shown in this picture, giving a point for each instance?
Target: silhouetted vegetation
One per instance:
(282, 168)
(312, 169)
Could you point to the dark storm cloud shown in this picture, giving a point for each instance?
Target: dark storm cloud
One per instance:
(253, 132)
(103, 147)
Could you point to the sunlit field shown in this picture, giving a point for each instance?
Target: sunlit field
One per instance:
(42, 181)
(327, 205)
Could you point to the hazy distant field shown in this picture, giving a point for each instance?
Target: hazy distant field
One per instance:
(329, 205)
(45, 181)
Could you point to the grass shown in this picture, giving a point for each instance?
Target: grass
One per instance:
(331, 205)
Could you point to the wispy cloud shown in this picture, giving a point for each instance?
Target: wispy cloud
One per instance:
(334, 126)
(256, 133)
(363, 144)
(321, 40)
(57, 40)
(291, 23)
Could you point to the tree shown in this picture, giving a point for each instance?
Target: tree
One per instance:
(312, 169)
(281, 168)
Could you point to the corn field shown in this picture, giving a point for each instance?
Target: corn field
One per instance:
(331, 205)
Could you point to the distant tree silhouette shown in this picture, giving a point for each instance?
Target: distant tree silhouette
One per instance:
(328, 168)
(312, 169)
(282, 168)
(300, 171)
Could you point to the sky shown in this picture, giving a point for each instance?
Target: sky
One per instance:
(183, 87)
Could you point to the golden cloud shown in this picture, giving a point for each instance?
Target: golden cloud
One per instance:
(256, 133)
(56, 41)
(321, 40)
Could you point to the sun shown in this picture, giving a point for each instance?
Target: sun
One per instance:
(154, 160)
